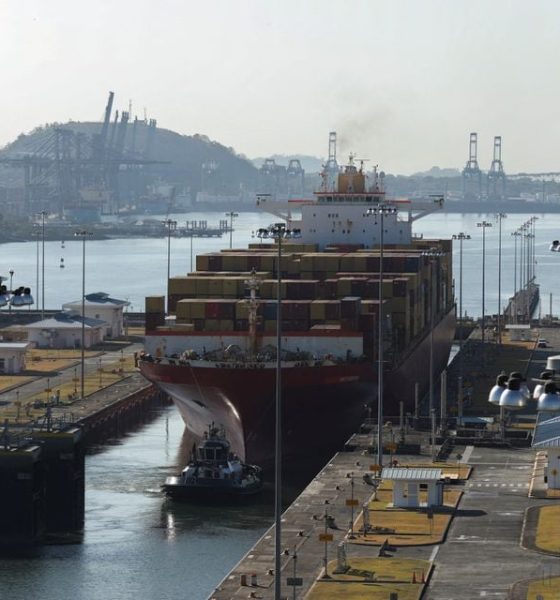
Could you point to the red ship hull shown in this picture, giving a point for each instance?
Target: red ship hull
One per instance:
(322, 405)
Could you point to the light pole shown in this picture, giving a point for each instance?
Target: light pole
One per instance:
(190, 228)
(484, 225)
(432, 255)
(500, 216)
(278, 232)
(380, 211)
(171, 226)
(232, 215)
(461, 237)
(82, 233)
(11, 272)
(515, 235)
(42, 214)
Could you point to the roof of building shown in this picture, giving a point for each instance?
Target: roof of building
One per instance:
(411, 474)
(14, 345)
(65, 320)
(547, 431)
(98, 299)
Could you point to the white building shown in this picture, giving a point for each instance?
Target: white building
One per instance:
(12, 357)
(64, 330)
(409, 482)
(547, 437)
(101, 306)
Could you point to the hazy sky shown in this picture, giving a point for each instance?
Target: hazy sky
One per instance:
(402, 82)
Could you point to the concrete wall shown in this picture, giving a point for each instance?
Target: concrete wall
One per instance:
(14, 360)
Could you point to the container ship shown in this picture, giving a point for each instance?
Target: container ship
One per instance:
(214, 349)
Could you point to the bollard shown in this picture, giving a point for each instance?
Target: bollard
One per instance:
(243, 579)
(254, 580)
(413, 576)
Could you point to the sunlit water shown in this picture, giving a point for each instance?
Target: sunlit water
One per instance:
(137, 544)
(134, 268)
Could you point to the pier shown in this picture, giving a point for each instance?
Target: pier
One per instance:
(341, 537)
(43, 446)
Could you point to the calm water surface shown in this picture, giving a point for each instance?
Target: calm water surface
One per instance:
(137, 544)
(135, 268)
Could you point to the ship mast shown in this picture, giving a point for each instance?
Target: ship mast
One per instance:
(253, 284)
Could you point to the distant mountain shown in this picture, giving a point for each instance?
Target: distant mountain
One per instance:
(311, 164)
(437, 172)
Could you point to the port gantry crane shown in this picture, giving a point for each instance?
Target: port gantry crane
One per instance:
(66, 162)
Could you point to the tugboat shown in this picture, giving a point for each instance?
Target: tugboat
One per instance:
(214, 472)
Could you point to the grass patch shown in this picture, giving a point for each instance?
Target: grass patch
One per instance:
(548, 529)
(31, 404)
(402, 526)
(374, 578)
(549, 589)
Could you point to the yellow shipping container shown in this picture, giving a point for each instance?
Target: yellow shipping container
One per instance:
(202, 286)
(270, 326)
(155, 304)
(318, 310)
(226, 325)
(202, 262)
(212, 325)
(242, 309)
(215, 287)
(182, 285)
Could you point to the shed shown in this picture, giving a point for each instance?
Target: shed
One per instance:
(519, 332)
(64, 330)
(409, 482)
(12, 357)
(101, 306)
(547, 437)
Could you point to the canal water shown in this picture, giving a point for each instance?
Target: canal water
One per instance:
(137, 544)
(134, 268)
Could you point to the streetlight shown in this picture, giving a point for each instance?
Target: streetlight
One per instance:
(500, 216)
(278, 232)
(190, 228)
(380, 211)
(171, 226)
(43, 214)
(82, 233)
(231, 216)
(515, 235)
(11, 272)
(484, 225)
(461, 237)
(433, 254)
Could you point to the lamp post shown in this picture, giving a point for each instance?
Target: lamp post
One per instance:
(11, 272)
(43, 214)
(231, 216)
(380, 211)
(515, 235)
(500, 216)
(83, 234)
(461, 237)
(278, 232)
(432, 255)
(484, 225)
(171, 226)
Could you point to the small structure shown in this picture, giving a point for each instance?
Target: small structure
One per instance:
(101, 306)
(64, 330)
(12, 357)
(547, 437)
(519, 333)
(409, 482)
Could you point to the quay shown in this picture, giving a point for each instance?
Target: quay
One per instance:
(479, 543)
(44, 437)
